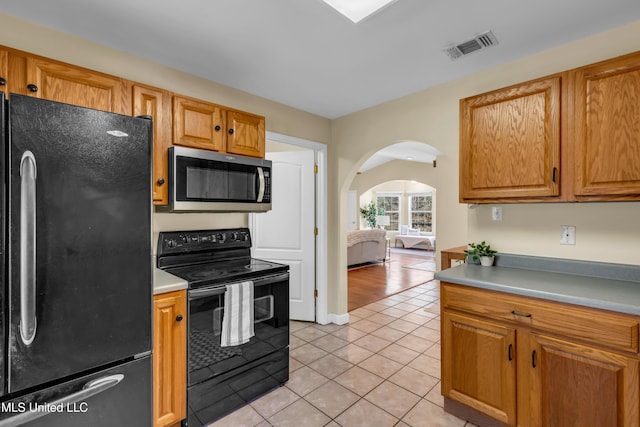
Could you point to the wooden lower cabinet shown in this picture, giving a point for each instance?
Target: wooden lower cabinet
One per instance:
(169, 358)
(578, 385)
(497, 372)
(478, 366)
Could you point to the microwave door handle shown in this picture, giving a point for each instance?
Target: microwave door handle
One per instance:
(28, 173)
(261, 184)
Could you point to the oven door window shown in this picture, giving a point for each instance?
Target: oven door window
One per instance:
(207, 358)
(262, 308)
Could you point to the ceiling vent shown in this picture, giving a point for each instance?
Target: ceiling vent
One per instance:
(479, 42)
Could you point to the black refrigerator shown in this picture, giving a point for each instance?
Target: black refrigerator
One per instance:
(76, 266)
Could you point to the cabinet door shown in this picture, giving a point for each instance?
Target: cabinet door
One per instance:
(478, 365)
(607, 128)
(169, 358)
(576, 385)
(74, 85)
(157, 104)
(245, 134)
(510, 142)
(4, 66)
(198, 124)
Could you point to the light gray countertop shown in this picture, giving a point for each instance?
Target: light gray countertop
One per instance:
(598, 285)
(164, 282)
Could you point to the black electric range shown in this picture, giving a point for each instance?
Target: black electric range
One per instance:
(222, 378)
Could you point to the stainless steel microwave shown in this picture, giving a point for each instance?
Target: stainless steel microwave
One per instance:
(201, 180)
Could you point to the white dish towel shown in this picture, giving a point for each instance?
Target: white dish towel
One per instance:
(237, 320)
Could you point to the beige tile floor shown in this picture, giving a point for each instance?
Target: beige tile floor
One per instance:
(382, 369)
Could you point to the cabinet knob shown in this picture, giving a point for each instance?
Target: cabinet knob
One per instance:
(217, 128)
(32, 88)
(2, 81)
(179, 318)
(160, 181)
(230, 131)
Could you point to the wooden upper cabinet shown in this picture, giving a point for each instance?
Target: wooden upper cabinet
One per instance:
(156, 103)
(4, 66)
(579, 385)
(607, 129)
(198, 124)
(74, 85)
(510, 142)
(245, 134)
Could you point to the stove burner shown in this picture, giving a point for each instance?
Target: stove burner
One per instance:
(220, 272)
(204, 274)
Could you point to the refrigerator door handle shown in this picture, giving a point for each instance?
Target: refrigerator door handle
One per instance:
(89, 389)
(28, 173)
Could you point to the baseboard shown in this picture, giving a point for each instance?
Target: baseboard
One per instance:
(469, 414)
(338, 319)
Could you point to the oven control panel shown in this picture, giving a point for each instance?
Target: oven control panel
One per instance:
(203, 240)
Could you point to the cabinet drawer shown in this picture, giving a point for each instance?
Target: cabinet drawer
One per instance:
(599, 327)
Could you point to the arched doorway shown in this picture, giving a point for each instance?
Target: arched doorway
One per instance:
(399, 183)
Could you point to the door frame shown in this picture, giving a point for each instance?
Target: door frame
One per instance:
(320, 154)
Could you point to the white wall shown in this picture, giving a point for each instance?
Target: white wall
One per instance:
(280, 118)
(605, 231)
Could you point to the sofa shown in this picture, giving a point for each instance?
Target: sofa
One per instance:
(364, 246)
(411, 237)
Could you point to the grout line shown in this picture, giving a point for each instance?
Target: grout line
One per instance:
(412, 293)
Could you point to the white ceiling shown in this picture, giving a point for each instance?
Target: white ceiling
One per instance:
(304, 54)
(412, 151)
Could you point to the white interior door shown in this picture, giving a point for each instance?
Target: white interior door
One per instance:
(286, 233)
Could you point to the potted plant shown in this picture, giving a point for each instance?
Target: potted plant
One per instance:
(481, 252)
(370, 212)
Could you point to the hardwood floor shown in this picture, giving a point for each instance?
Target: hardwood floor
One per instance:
(377, 281)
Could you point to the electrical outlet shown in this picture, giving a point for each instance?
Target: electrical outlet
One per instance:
(496, 213)
(567, 235)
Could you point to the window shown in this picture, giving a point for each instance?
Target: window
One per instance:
(421, 212)
(391, 205)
